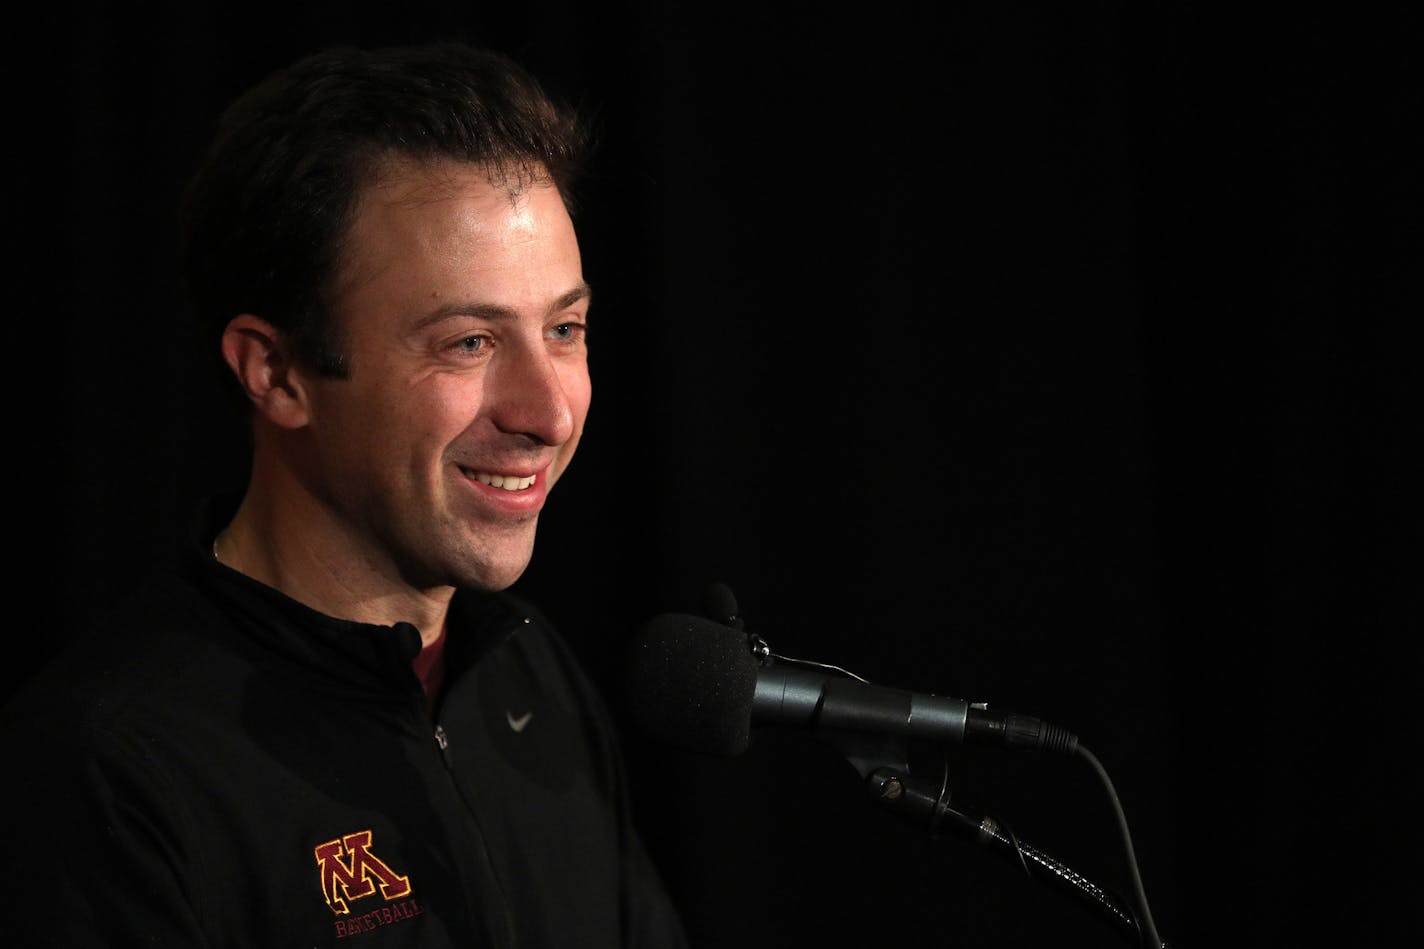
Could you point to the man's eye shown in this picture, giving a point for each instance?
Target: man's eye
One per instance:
(471, 344)
(568, 331)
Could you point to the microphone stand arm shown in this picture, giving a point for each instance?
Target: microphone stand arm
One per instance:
(884, 764)
(926, 804)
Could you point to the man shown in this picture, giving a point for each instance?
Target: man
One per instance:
(330, 721)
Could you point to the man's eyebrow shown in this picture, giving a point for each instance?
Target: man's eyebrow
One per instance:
(497, 312)
(582, 293)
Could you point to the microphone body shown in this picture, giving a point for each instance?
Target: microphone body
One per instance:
(787, 695)
(697, 684)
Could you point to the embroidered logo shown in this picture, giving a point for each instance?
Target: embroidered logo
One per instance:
(517, 724)
(349, 871)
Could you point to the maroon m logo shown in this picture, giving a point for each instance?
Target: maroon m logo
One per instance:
(349, 871)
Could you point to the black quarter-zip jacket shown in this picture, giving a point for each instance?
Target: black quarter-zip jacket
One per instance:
(217, 765)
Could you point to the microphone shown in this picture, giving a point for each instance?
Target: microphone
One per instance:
(701, 685)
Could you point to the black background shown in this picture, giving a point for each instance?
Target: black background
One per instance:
(1049, 354)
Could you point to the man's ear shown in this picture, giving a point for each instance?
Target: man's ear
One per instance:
(257, 354)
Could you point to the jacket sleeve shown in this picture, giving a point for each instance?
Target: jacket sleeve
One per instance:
(91, 840)
(652, 921)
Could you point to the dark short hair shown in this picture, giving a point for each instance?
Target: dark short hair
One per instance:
(264, 217)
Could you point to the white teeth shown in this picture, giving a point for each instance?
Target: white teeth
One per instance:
(508, 483)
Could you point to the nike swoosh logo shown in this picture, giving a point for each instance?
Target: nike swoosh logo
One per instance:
(517, 724)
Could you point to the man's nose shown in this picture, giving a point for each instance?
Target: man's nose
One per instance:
(527, 396)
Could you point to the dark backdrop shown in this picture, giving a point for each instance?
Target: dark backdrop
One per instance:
(1047, 354)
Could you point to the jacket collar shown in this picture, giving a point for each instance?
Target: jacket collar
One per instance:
(363, 654)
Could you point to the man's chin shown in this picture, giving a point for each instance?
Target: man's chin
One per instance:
(495, 570)
(489, 582)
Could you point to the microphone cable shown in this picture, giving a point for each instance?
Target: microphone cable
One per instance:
(1139, 893)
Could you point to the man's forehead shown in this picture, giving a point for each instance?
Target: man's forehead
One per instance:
(441, 217)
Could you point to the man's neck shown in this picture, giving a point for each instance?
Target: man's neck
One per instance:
(301, 552)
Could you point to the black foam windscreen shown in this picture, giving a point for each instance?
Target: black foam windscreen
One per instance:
(691, 682)
(720, 604)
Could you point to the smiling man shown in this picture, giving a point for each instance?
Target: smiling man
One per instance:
(461, 309)
(330, 719)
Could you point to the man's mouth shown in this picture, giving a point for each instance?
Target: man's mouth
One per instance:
(505, 482)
